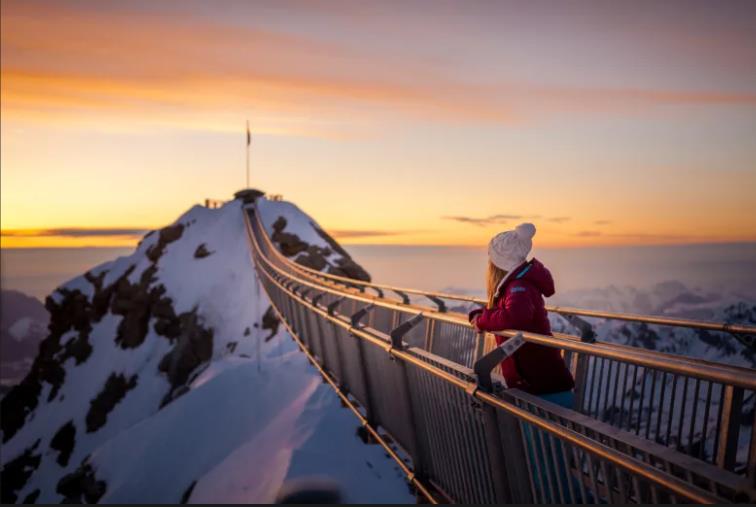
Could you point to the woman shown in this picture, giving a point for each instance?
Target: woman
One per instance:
(516, 288)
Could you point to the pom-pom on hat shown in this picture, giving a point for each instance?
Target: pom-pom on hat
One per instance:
(509, 249)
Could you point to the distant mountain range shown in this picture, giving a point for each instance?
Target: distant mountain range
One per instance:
(23, 325)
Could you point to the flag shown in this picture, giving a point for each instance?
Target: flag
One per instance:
(249, 135)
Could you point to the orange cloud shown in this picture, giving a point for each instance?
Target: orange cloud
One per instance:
(60, 60)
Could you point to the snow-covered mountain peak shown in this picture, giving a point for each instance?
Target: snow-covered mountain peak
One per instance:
(165, 373)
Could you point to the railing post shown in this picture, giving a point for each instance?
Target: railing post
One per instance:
(397, 334)
(751, 472)
(580, 360)
(368, 401)
(732, 407)
(511, 484)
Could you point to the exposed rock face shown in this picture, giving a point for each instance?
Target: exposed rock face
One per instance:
(31, 498)
(112, 393)
(134, 301)
(194, 346)
(81, 486)
(248, 195)
(314, 256)
(63, 442)
(289, 244)
(270, 321)
(73, 311)
(167, 235)
(188, 493)
(15, 474)
(201, 252)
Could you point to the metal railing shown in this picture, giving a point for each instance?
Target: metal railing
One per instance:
(407, 370)
(439, 300)
(701, 408)
(214, 203)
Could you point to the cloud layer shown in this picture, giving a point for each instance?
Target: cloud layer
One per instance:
(73, 232)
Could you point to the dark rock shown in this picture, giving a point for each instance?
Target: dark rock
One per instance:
(314, 257)
(167, 235)
(270, 321)
(69, 311)
(188, 492)
(201, 252)
(248, 195)
(18, 403)
(289, 244)
(112, 393)
(246, 331)
(137, 303)
(16, 472)
(32, 497)
(350, 269)
(64, 442)
(194, 346)
(81, 485)
(231, 347)
(279, 225)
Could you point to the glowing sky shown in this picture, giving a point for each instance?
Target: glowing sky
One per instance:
(389, 122)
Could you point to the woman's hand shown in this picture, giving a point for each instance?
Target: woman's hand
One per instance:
(474, 323)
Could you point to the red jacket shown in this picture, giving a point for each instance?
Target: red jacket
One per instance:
(519, 305)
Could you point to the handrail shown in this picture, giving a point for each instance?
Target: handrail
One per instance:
(737, 376)
(632, 465)
(564, 310)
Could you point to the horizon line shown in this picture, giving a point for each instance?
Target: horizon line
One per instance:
(430, 245)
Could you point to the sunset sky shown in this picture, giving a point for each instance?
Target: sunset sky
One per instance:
(389, 122)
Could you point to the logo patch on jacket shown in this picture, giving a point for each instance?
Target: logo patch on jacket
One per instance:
(517, 289)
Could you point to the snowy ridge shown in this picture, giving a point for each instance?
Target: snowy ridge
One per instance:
(164, 378)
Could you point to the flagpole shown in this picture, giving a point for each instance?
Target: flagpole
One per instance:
(248, 135)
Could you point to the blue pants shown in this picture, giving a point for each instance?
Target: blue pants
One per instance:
(548, 460)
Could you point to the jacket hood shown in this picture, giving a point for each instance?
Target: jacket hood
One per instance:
(535, 273)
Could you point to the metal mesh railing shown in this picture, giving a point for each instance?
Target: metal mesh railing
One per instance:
(421, 391)
(699, 408)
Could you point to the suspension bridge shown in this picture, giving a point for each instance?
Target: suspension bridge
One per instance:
(647, 427)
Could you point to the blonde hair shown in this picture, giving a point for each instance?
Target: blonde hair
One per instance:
(494, 277)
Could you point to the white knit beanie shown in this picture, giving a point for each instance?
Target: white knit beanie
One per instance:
(508, 249)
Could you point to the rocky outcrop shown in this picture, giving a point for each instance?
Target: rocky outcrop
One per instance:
(81, 486)
(112, 393)
(63, 442)
(167, 235)
(15, 473)
(194, 346)
(71, 312)
(133, 301)
(188, 493)
(289, 244)
(270, 322)
(314, 256)
(201, 252)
